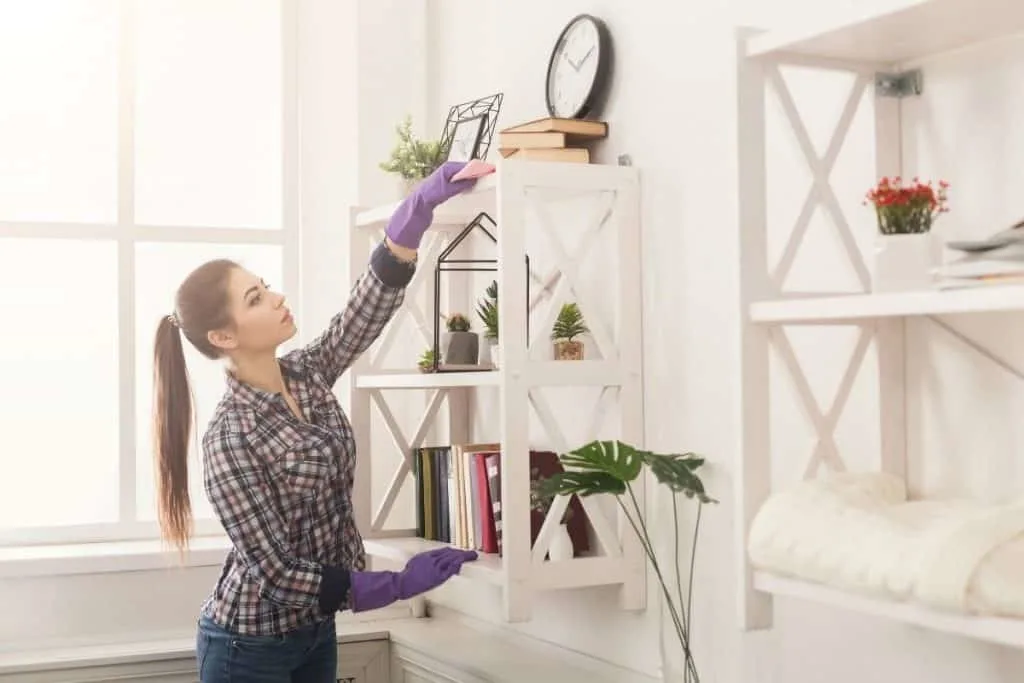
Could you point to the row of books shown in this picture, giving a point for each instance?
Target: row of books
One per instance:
(458, 496)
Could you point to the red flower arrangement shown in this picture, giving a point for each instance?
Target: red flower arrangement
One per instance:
(904, 210)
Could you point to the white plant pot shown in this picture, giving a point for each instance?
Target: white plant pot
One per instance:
(904, 262)
(561, 545)
(496, 355)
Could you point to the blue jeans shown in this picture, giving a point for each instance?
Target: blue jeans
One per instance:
(307, 655)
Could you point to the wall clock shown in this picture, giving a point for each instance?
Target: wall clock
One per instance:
(579, 69)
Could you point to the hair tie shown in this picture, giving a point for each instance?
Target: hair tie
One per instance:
(173, 320)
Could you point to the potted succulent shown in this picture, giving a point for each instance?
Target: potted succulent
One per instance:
(412, 159)
(426, 362)
(906, 251)
(567, 327)
(461, 346)
(487, 310)
(612, 468)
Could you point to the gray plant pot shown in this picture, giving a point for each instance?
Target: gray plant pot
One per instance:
(460, 348)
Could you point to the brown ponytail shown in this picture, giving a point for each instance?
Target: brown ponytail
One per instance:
(172, 429)
(201, 306)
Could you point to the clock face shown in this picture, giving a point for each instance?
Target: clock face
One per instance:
(573, 72)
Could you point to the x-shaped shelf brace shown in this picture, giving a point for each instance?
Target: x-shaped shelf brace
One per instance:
(603, 529)
(826, 452)
(563, 277)
(821, 192)
(406, 447)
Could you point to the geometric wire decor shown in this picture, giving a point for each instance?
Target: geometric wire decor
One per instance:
(445, 263)
(470, 126)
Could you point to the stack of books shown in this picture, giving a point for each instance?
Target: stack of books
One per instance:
(551, 139)
(995, 261)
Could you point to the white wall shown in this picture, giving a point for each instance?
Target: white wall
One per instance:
(673, 109)
(673, 87)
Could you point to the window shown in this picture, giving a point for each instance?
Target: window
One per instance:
(140, 138)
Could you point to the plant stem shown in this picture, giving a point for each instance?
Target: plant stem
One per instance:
(693, 560)
(681, 631)
(649, 551)
(679, 579)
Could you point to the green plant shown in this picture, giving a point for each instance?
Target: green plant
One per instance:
(487, 311)
(457, 323)
(611, 467)
(541, 500)
(410, 158)
(426, 361)
(569, 324)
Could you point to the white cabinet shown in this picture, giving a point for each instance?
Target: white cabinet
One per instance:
(363, 662)
(409, 666)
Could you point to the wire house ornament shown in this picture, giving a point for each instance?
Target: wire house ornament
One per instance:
(445, 263)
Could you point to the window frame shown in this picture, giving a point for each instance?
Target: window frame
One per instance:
(126, 232)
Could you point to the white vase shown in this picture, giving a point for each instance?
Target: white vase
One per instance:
(561, 545)
(904, 262)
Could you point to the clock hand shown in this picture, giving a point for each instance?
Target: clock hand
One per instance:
(585, 57)
(573, 64)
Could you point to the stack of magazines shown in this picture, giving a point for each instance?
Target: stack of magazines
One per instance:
(997, 260)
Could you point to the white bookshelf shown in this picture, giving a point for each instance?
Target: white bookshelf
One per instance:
(875, 47)
(520, 198)
(905, 30)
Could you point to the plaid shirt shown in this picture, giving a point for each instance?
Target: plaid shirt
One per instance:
(282, 488)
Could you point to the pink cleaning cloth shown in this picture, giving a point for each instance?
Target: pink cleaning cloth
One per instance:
(474, 169)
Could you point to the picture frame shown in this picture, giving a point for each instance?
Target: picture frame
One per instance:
(465, 142)
(469, 128)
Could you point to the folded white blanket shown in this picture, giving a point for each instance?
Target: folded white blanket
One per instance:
(858, 532)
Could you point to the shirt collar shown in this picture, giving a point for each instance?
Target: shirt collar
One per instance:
(253, 396)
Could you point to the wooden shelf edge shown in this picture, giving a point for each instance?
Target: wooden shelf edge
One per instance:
(552, 373)
(1002, 630)
(488, 567)
(840, 308)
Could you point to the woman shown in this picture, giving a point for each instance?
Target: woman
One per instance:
(278, 459)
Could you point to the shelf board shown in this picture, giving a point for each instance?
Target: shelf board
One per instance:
(413, 379)
(576, 573)
(454, 214)
(853, 307)
(539, 373)
(918, 28)
(992, 629)
(487, 567)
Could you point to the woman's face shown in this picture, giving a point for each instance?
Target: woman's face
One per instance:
(262, 322)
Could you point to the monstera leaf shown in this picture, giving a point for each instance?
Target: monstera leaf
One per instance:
(579, 483)
(677, 471)
(597, 467)
(608, 466)
(614, 458)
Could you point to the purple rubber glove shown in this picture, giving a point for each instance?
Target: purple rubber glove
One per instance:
(415, 214)
(373, 590)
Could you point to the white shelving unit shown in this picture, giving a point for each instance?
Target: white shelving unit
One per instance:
(875, 48)
(520, 197)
